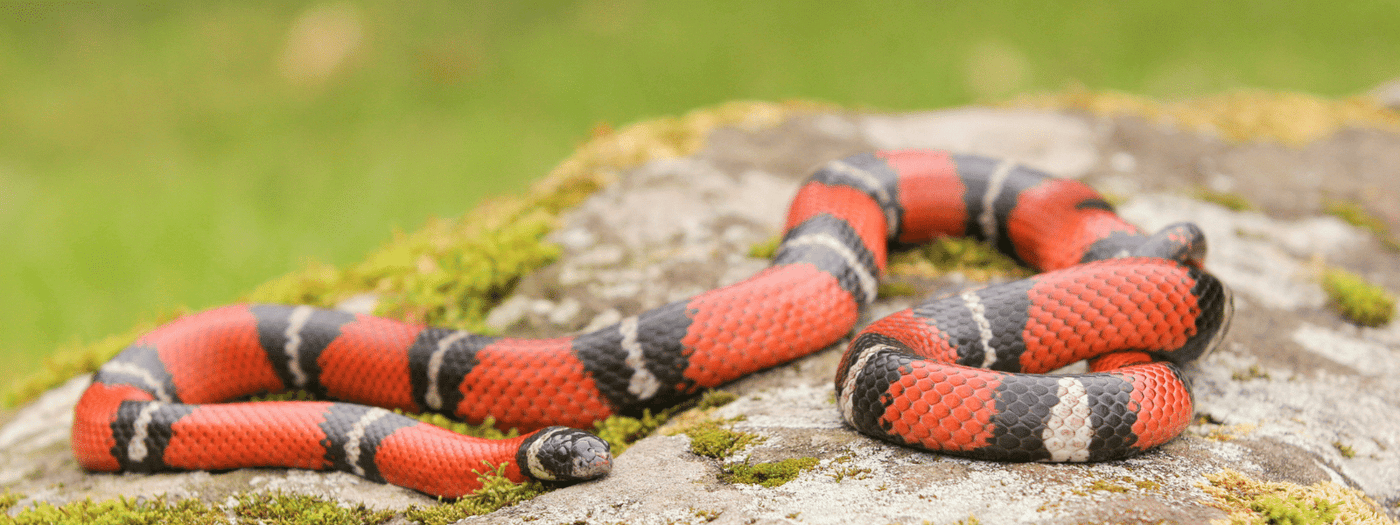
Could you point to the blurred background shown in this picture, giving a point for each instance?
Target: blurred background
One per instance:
(158, 154)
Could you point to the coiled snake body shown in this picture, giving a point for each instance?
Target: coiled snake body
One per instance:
(1134, 304)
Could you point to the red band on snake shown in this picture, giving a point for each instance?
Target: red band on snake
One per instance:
(1133, 303)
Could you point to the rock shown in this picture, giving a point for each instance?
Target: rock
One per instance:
(1055, 143)
(1388, 94)
(1295, 394)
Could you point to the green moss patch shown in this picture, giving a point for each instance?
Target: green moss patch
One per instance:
(621, 431)
(486, 429)
(766, 249)
(771, 474)
(707, 516)
(715, 399)
(1251, 373)
(1345, 449)
(1250, 501)
(1147, 484)
(1355, 214)
(7, 500)
(1232, 201)
(1358, 301)
(890, 288)
(977, 260)
(1120, 485)
(715, 439)
(1105, 486)
(270, 508)
(273, 509)
(496, 492)
(850, 472)
(1288, 118)
(1225, 433)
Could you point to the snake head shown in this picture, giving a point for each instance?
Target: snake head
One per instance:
(564, 454)
(1183, 242)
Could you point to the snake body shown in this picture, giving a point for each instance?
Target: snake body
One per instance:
(1135, 303)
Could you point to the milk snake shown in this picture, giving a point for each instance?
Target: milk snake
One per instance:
(1140, 303)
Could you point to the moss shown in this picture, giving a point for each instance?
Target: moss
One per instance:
(121, 510)
(1232, 201)
(771, 474)
(1356, 300)
(453, 271)
(496, 492)
(852, 472)
(1253, 372)
(1355, 214)
(898, 289)
(622, 431)
(7, 500)
(1104, 486)
(715, 399)
(485, 429)
(707, 515)
(766, 249)
(1346, 450)
(1275, 509)
(290, 395)
(298, 508)
(1230, 432)
(1250, 501)
(977, 260)
(270, 508)
(713, 439)
(1289, 118)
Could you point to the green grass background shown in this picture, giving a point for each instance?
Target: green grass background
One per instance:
(156, 154)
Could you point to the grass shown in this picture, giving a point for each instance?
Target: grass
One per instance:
(165, 154)
(451, 271)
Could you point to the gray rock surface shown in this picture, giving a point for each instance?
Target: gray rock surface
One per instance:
(1293, 384)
